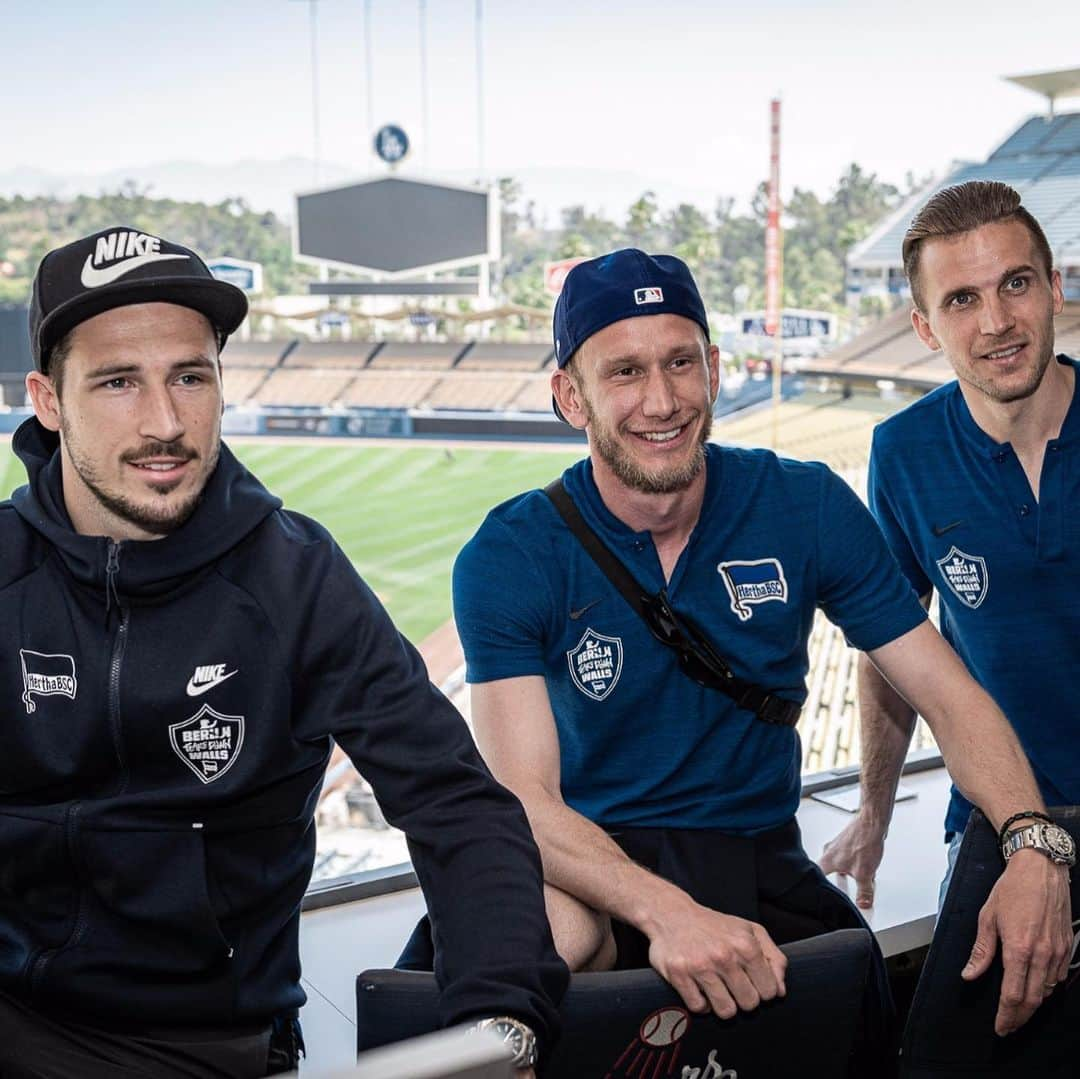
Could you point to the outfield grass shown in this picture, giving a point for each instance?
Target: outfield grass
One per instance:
(400, 513)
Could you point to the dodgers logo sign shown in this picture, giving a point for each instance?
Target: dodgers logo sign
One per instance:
(208, 743)
(595, 664)
(754, 582)
(966, 576)
(46, 675)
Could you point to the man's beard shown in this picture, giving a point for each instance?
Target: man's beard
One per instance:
(154, 519)
(1021, 393)
(668, 481)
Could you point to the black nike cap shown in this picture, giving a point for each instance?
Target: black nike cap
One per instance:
(116, 267)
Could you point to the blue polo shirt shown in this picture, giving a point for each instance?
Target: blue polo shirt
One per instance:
(959, 514)
(641, 743)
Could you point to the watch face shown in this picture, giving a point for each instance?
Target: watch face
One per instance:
(1058, 841)
(517, 1040)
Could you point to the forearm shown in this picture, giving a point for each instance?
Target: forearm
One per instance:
(981, 750)
(886, 723)
(581, 859)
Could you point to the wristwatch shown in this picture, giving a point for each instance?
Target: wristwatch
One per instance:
(1048, 839)
(516, 1036)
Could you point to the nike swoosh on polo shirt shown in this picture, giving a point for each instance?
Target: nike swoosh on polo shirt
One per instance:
(94, 278)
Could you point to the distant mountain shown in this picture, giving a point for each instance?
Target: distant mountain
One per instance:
(272, 185)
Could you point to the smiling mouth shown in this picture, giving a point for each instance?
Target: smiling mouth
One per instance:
(661, 436)
(158, 469)
(1002, 353)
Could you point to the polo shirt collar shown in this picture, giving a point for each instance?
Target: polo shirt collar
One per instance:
(982, 443)
(580, 482)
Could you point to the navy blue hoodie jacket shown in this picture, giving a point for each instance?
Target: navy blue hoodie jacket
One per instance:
(169, 711)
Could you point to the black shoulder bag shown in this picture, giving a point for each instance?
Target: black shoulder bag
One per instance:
(698, 658)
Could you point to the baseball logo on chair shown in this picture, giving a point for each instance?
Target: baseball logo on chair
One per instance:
(654, 1053)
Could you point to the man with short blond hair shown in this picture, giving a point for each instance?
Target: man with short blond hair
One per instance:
(664, 803)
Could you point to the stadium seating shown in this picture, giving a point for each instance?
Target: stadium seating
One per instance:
(1041, 159)
(493, 356)
(354, 354)
(241, 382)
(417, 355)
(287, 386)
(389, 389)
(490, 392)
(535, 396)
(254, 353)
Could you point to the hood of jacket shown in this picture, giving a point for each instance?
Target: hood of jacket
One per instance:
(232, 504)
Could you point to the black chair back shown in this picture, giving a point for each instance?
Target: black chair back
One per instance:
(633, 1024)
(950, 1028)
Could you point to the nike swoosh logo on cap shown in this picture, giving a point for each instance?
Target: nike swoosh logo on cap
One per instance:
(194, 690)
(93, 278)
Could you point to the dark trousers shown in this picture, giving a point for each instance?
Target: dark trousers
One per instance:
(37, 1046)
(767, 878)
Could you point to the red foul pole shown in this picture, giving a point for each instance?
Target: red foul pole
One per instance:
(774, 266)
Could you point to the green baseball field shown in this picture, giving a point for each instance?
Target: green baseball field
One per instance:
(401, 512)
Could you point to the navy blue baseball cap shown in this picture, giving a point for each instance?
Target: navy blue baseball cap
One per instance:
(116, 267)
(623, 284)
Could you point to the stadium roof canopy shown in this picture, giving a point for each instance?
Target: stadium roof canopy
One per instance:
(1041, 159)
(1051, 84)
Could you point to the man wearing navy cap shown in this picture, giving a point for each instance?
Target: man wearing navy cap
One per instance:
(664, 809)
(180, 654)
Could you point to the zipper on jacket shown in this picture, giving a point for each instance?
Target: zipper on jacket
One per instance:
(112, 567)
(116, 661)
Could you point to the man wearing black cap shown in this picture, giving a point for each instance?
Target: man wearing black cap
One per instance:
(650, 733)
(181, 652)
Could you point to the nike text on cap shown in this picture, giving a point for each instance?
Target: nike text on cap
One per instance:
(624, 284)
(120, 266)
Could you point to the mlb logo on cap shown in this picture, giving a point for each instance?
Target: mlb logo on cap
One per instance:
(648, 295)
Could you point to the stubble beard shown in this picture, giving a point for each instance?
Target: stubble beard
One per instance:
(1003, 394)
(668, 481)
(158, 520)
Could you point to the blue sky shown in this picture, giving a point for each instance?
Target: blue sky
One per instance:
(674, 93)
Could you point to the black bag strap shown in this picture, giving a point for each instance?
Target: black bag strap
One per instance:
(765, 706)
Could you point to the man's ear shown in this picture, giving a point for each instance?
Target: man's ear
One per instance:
(45, 399)
(921, 326)
(714, 373)
(571, 404)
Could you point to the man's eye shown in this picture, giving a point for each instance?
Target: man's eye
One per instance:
(116, 383)
(1017, 284)
(961, 299)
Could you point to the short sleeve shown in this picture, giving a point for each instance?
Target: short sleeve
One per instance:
(860, 586)
(882, 505)
(500, 596)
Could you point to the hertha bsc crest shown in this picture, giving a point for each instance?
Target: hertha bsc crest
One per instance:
(966, 576)
(208, 743)
(595, 664)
